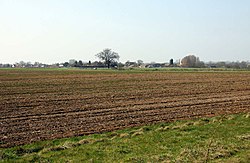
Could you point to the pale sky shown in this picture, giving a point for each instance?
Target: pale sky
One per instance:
(51, 31)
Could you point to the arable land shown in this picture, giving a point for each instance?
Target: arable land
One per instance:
(38, 104)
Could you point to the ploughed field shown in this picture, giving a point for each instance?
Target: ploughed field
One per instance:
(47, 104)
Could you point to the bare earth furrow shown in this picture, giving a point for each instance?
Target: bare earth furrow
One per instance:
(37, 105)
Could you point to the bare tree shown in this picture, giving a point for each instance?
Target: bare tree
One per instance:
(108, 56)
(191, 61)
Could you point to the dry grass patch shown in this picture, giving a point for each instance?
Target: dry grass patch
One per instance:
(137, 133)
(247, 115)
(86, 141)
(124, 135)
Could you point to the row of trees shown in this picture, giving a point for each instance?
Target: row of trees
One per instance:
(193, 61)
(109, 58)
(237, 65)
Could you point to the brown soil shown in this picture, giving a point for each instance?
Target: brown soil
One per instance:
(41, 105)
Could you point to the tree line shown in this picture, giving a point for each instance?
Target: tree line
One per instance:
(110, 59)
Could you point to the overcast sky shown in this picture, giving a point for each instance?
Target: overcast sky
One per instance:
(52, 31)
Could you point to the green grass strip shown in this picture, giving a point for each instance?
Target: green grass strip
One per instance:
(217, 139)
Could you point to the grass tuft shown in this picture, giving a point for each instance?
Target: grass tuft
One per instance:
(124, 135)
(244, 137)
(86, 141)
(247, 115)
(166, 128)
(137, 133)
(160, 129)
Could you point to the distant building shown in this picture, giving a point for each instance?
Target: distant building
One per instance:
(154, 65)
(130, 64)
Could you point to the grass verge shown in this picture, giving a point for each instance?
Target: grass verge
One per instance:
(217, 139)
